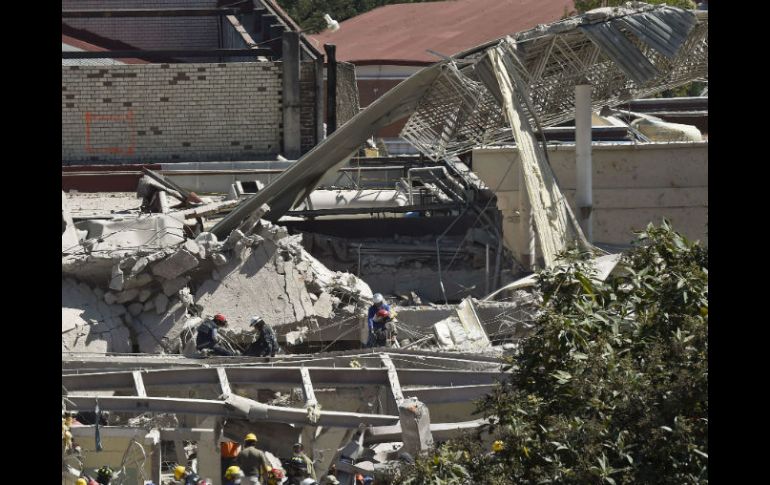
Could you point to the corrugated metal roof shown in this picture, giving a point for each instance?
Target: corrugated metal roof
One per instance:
(664, 30)
(85, 62)
(402, 33)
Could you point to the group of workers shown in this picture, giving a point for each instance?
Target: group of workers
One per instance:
(252, 467)
(265, 343)
(380, 319)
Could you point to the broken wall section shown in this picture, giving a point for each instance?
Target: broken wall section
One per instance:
(152, 302)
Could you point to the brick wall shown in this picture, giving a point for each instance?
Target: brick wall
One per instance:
(169, 112)
(307, 110)
(150, 32)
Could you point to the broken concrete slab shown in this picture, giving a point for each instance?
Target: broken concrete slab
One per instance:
(153, 231)
(174, 265)
(137, 281)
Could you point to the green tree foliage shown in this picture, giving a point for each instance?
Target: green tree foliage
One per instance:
(612, 388)
(582, 6)
(309, 13)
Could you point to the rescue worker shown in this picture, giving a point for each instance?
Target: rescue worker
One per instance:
(185, 476)
(359, 479)
(104, 475)
(299, 450)
(207, 337)
(265, 344)
(252, 461)
(378, 303)
(229, 454)
(234, 476)
(296, 470)
(384, 329)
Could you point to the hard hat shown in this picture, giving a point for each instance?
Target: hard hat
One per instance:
(383, 313)
(378, 298)
(220, 319)
(233, 472)
(308, 481)
(256, 319)
(250, 437)
(81, 481)
(179, 472)
(498, 446)
(104, 471)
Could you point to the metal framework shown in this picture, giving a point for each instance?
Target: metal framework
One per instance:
(623, 53)
(83, 391)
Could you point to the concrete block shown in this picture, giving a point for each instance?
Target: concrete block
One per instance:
(161, 303)
(171, 287)
(219, 259)
(140, 264)
(135, 308)
(415, 426)
(137, 281)
(144, 295)
(116, 279)
(126, 296)
(192, 247)
(176, 264)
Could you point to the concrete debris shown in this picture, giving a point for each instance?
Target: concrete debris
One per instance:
(116, 282)
(161, 303)
(125, 235)
(176, 264)
(171, 287)
(264, 272)
(463, 332)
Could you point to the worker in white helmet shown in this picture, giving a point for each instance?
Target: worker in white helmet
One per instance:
(378, 303)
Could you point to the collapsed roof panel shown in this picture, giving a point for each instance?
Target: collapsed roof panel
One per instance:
(451, 110)
(599, 48)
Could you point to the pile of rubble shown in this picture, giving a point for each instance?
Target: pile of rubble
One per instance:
(136, 284)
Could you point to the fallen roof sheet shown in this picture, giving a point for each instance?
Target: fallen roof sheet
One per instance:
(451, 110)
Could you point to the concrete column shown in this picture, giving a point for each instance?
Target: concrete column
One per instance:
(292, 142)
(415, 426)
(584, 182)
(209, 453)
(526, 229)
(155, 457)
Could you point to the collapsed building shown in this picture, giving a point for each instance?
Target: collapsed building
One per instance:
(140, 282)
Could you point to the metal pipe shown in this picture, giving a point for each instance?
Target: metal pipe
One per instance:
(486, 269)
(584, 186)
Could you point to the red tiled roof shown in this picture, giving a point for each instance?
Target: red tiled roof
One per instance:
(401, 33)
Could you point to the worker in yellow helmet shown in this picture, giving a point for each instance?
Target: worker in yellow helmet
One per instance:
(252, 460)
(233, 475)
(498, 446)
(185, 476)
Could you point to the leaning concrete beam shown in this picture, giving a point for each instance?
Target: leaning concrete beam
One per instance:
(204, 407)
(440, 431)
(446, 395)
(395, 385)
(296, 182)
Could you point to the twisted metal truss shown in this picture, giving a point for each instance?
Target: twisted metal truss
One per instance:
(623, 53)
